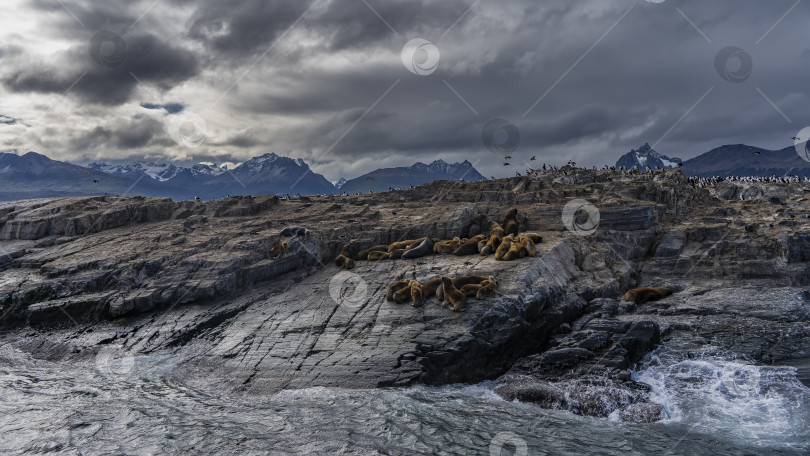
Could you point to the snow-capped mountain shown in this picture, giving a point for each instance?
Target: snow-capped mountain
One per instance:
(645, 156)
(161, 172)
(416, 174)
(340, 183)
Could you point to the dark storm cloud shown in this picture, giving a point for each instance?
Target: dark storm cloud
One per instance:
(132, 134)
(150, 60)
(585, 80)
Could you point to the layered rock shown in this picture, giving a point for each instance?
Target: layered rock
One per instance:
(192, 280)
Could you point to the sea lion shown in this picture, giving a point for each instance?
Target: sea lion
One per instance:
(470, 290)
(510, 223)
(295, 231)
(403, 244)
(430, 287)
(503, 249)
(482, 245)
(377, 255)
(451, 293)
(363, 254)
(460, 281)
(469, 246)
(403, 295)
(344, 262)
(536, 238)
(513, 253)
(487, 289)
(425, 248)
(389, 295)
(526, 247)
(280, 249)
(416, 294)
(446, 247)
(397, 254)
(639, 295)
(345, 250)
(495, 229)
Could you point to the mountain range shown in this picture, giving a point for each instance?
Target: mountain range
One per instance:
(645, 156)
(724, 161)
(419, 173)
(36, 176)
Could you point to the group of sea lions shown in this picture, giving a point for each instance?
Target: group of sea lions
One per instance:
(454, 290)
(503, 240)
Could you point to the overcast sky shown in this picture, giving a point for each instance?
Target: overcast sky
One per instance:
(333, 82)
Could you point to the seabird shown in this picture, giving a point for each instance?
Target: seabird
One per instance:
(534, 157)
(756, 153)
(506, 164)
(508, 157)
(95, 181)
(796, 138)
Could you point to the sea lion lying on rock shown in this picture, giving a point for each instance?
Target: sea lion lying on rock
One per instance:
(344, 262)
(469, 246)
(363, 254)
(453, 295)
(395, 287)
(639, 295)
(376, 255)
(280, 249)
(425, 248)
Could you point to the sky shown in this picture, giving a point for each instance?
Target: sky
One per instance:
(355, 85)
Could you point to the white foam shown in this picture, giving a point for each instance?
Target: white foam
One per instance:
(759, 404)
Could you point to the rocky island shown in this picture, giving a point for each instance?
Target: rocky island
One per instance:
(192, 281)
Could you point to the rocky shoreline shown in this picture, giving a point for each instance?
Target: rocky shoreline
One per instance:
(191, 280)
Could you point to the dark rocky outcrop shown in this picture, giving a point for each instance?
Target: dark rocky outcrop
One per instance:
(191, 280)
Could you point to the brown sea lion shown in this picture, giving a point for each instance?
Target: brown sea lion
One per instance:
(397, 254)
(639, 295)
(510, 223)
(526, 246)
(363, 254)
(469, 246)
(430, 287)
(470, 290)
(344, 262)
(396, 286)
(403, 295)
(536, 238)
(416, 294)
(503, 249)
(495, 229)
(446, 247)
(280, 249)
(376, 255)
(513, 253)
(487, 289)
(451, 293)
(401, 245)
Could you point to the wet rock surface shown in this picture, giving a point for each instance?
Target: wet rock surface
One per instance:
(192, 280)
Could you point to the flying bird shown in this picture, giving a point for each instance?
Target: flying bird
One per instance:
(506, 164)
(534, 157)
(796, 138)
(96, 181)
(756, 153)
(508, 157)
(369, 178)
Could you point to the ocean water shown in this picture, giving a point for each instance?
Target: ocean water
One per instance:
(714, 405)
